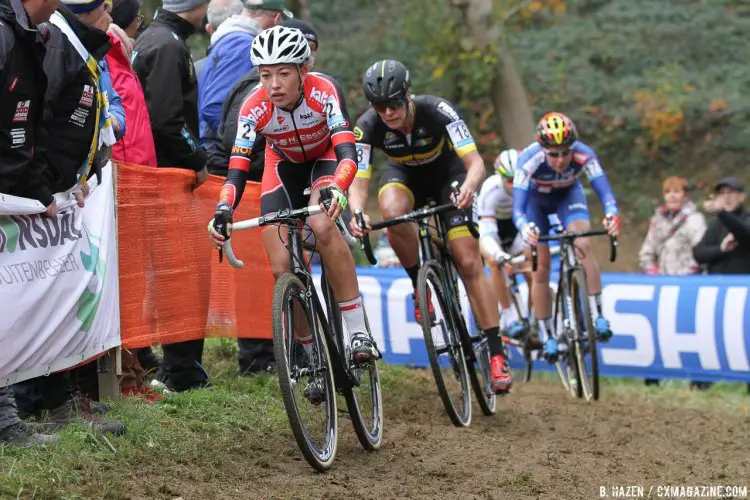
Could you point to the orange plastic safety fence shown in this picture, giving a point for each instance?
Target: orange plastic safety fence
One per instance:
(172, 287)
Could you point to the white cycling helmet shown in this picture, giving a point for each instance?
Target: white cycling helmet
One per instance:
(505, 163)
(280, 45)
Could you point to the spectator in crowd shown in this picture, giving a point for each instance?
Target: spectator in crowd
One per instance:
(256, 355)
(676, 227)
(166, 72)
(229, 59)
(725, 246)
(137, 145)
(218, 12)
(77, 94)
(22, 96)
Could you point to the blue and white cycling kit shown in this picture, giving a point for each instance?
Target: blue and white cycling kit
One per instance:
(539, 190)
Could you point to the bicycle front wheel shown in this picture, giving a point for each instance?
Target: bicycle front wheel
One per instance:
(443, 345)
(584, 345)
(305, 374)
(566, 366)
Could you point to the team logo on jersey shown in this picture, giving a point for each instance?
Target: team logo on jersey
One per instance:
(306, 116)
(448, 111)
(258, 111)
(389, 137)
(421, 132)
(280, 119)
(320, 96)
(19, 137)
(22, 111)
(358, 133)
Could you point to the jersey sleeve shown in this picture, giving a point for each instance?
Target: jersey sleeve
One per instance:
(458, 131)
(528, 162)
(253, 113)
(363, 135)
(342, 138)
(598, 179)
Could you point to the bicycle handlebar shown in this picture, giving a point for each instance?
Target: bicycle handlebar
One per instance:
(572, 237)
(283, 215)
(412, 216)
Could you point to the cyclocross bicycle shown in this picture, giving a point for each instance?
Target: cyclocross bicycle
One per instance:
(578, 368)
(458, 359)
(312, 355)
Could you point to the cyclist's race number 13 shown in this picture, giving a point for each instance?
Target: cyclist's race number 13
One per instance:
(459, 133)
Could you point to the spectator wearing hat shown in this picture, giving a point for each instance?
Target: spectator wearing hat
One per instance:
(725, 247)
(218, 12)
(228, 59)
(676, 227)
(165, 69)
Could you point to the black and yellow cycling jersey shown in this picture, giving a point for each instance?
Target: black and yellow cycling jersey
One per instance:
(423, 163)
(439, 137)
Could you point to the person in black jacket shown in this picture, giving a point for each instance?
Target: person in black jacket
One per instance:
(725, 246)
(23, 84)
(22, 87)
(162, 60)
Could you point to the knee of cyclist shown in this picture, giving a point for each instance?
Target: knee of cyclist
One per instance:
(468, 266)
(279, 267)
(324, 229)
(584, 248)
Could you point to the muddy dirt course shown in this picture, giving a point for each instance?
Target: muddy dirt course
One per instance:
(541, 444)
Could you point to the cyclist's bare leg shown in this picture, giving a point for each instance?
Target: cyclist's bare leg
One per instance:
(274, 239)
(587, 257)
(396, 200)
(481, 294)
(341, 275)
(593, 279)
(501, 287)
(540, 294)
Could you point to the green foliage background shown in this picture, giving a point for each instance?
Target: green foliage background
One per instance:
(657, 88)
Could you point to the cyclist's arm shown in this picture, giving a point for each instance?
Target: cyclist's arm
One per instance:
(521, 183)
(463, 142)
(599, 182)
(489, 240)
(342, 139)
(363, 135)
(239, 158)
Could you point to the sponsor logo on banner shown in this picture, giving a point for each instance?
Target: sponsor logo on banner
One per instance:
(659, 330)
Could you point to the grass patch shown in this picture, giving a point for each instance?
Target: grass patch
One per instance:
(196, 439)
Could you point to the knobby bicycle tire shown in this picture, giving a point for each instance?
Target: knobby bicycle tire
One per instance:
(579, 291)
(567, 368)
(429, 275)
(369, 435)
(320, 459)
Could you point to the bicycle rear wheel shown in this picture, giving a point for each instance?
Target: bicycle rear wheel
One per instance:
(443, 345)
(566, 366)
(303, 362)
(585, 342)
(365, 404)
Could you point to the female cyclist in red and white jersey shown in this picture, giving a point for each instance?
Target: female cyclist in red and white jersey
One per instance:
(309, 143)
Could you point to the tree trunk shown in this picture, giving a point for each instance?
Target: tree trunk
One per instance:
(507, 91)
(301, 9)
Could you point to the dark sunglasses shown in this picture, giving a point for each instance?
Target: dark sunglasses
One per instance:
(394, 104)
(557, 154)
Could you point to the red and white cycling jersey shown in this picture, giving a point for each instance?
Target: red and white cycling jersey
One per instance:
(316, 124)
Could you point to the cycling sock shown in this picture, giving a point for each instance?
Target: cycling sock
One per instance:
(494, 341)
(413, 272)
(546, 329)
(354, 316)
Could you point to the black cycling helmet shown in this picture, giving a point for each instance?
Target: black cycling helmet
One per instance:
(385, 81)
